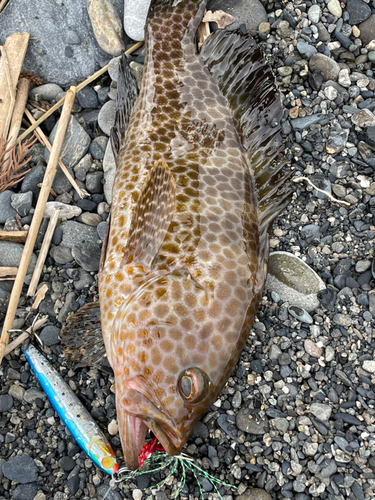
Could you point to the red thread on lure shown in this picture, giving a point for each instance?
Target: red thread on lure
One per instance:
(148, 449)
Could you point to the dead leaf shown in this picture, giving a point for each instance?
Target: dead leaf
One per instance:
(221, 18)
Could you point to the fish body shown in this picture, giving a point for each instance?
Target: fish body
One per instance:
(71, 411)
(185, 260)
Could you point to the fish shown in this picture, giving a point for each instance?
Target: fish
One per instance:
(200, 177)
(72, 412)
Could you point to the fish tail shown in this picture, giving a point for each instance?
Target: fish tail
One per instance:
(174, 20)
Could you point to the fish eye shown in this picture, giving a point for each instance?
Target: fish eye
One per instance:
(193, 385)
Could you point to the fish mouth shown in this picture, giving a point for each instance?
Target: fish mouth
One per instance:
(133, 427)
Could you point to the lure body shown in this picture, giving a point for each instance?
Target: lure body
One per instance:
(71, 411)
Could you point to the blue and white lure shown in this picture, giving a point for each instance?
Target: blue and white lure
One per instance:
(71, 411)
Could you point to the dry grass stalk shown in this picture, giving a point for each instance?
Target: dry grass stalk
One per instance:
(37, 218)
(12, 162)
(3, 4)
(17, 236)
(79, 87)
(11, 90)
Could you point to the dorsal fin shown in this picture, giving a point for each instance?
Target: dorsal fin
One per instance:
(152, 216)
(247, 82)
(126, 96)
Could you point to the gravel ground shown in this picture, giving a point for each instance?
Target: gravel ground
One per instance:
(297, 418)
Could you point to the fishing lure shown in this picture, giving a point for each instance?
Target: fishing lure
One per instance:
(71, 411)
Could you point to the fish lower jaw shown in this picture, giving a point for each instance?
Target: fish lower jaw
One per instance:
(132, 432)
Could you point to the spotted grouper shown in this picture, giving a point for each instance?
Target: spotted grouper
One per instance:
(199, 180)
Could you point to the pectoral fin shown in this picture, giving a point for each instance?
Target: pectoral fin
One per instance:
(152, 216)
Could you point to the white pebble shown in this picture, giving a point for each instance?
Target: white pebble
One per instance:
(113, 428)
(137, 494)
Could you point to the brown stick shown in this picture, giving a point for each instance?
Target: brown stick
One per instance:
(13, 53)
(8, 273)
(35, 224)
(78, 88)
(19, 236)
(43, 253)
(3, 4)
(43, 139)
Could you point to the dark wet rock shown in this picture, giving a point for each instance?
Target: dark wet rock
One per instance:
(20, 469)
(98, 146)
(48, 56)
(306, 122)
(87, 98)
(22, 202)
(251, 422)
(11, 254)
(347, 418)
(67, 463)
(25, 491)
(327, 298)
(6, 403)
(306, 50)
(32, 179)
(6, 209)
(61, 255)
(50, 335)
(94, 182)
(87, 258)
(228, 424)
(76, 143)
(73, 484)
(358, 11)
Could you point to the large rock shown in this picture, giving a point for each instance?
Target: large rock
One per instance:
(76, 143)
(250, 13)
(293, 280)
(62, 46)
(324, 66)
(367, 29)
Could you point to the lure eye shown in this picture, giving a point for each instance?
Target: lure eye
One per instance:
(193, 385)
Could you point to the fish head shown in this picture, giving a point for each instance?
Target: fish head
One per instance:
(164, 375)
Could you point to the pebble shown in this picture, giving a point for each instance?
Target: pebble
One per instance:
(50, 335)
(293, 280)
(66, 211)
(324, 66)
(250, 422)
(75, 145)
(335, 8)
(106, 118)
(6, 403)
(358, 11)
(364, 118)
(6, 209)
(106, 25)
(109, 168)
(11, 254)
(314, 13)
(46, 92)
(369, 366)
(22, 202)
(313, 349)
(321, 411)
(88, 98)
(20, 469)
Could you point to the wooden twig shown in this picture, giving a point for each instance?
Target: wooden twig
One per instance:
(40, 294)
(8, 273)
(18, 110)
(340, 202)
(18, 236)
(3, 4)
(19, 340)
(37, 218)
(78, 88)
(13, 53)
(43, 139)
(43, 253)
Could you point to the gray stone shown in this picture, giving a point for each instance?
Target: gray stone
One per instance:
(337, 139)
(22, 202)
(25, 491)
(251, 422)
(306, 50)
(314, 14)
(324, 66)
(6, 403)
(106, 25)
(106, 118)
(249, 13)
(300, 314)
(364, 118)
(94, 182)
(11, 254)
(98, 147)
(20, 469)
(293, 280)
(32, 179)
(367, 29)
(358, 11)
(102, 228)
(88, 98)
(6, 209)
(306, 121)
(369, 366)
(87, 257)
(255, 494)
(50, 335)
(72, 38)
(47, 55)
(84, 280)
(32, 394)
(76, 143)
(62, 255)
(46, 92)
(321, 411)
(329, 470)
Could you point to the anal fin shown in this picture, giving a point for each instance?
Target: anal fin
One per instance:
(152, 216)
(82, 338)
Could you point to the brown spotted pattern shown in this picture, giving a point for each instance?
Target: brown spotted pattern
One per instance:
(191, 302)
